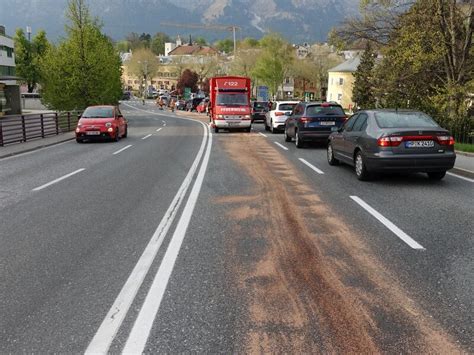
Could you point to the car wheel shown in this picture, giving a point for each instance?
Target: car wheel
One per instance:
(125, 134)
(437, 175)
(298, 142)
(216, 129)
(287, 137)
(78, 140)
(330, 155)
(248, 129)
(360, 169)
(117, 135)
(267, 128)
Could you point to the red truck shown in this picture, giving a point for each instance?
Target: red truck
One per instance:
(229, 106)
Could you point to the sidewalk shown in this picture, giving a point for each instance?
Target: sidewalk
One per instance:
(18, 148)
(464, 164)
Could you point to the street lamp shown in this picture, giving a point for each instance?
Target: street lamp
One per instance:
(28, 30)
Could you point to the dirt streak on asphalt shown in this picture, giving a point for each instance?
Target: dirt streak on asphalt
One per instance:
(311, 284)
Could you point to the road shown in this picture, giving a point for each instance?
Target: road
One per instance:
(178, 240)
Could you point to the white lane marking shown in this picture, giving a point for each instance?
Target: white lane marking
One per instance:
(281, 146)
(311, 166)
(264, 135)
(141, 329)
(397, 231)
(121, 150)
(147, 136)
(159, 129)
(164, 123)
(58, 180)
(112, 322)
(461, 177)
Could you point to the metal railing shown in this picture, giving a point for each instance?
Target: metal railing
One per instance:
(22, 128)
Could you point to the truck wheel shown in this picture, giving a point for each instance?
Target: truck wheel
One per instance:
(216, 129)
(248, 129)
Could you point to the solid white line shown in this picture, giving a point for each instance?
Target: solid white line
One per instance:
(147, 136)
(461, 177)
(159, 129)
(281, 146)
(264, 135)
(397, 231)
(58, 180)
(121, 150)
(141, 329)
(311, 166)
(112, 322)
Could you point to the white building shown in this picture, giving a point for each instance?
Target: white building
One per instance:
(9, 90)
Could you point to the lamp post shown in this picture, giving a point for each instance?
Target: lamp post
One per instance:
(28, 30)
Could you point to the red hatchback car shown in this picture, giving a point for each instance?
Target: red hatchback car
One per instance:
(101, 122)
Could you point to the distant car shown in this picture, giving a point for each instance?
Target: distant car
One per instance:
(101, 122)
(275, 118)
(126, 95)
(313, 122)
(392, 141)
(203, 105)
(259, 109)
(191, 104)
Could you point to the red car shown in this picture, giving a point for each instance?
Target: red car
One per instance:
(101, 122)
(202, 107)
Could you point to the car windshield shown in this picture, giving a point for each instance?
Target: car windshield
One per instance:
(286, 107)
(324, 110)
(404, 120)
(232, 99)
(98, 112)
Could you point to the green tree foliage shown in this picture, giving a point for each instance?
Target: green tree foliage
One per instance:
(84, 69)
(158, 43)
(225, 45)
(28, 55)
(274, 62)
(123, 46)
(201, 41)
(363, 91)
(143, 64)
(188, 79)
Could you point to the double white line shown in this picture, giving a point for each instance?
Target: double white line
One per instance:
(141, 329)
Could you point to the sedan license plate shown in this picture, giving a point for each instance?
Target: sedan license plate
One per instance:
(327, 123)
(419, 144)
(233, 123)
(93, 133)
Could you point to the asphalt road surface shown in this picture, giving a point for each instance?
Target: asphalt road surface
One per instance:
(179, 240)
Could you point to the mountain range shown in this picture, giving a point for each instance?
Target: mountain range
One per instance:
(297, 20)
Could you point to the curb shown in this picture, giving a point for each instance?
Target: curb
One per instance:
(27, 150)
(466, 154)
(463, 172)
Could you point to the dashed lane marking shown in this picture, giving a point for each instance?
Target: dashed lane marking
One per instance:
(281, 146)
(58, 180)
(121, 150)
(305, 162)
(147, 136)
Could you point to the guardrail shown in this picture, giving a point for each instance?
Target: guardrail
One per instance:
(22, 128)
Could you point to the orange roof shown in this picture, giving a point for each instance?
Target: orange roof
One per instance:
(193, 50)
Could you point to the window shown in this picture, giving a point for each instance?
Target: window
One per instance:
(350, 123)
(361, 123)
(287, 80)
(232, 99)
(286, 107)
(341, 81)
(339, 97)
(98, 112)
(7, 70)
(324, 110)
(404, 120)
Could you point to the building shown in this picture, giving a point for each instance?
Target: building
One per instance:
(9, 90)
(341, 81)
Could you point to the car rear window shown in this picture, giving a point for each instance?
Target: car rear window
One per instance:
(324, 110)
(404, 120)
(286, 107)
(260, 105)
(98, 112)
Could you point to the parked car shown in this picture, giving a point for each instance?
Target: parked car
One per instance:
(392, 141)
(101, 122)
(191, 104)
(313, 122)
(259, 109)
(126, 95)
(275, 118)
(203, 105)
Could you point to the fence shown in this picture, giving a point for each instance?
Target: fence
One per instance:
(22, 128)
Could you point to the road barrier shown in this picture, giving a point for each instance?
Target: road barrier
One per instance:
(22, 128)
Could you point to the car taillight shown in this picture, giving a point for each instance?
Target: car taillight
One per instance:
(304, 120)
(445, 140)
(279, 113)
(389, 141)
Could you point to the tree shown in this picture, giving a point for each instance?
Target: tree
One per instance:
(28, 55)
(274, 61)
(225, 45)
(143, 64)
(201, 41)
(362, 92)
(188, 79)
(158, 43)
(84, 69)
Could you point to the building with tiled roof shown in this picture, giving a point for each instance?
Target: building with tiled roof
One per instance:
(193, 50)
(341, 82)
